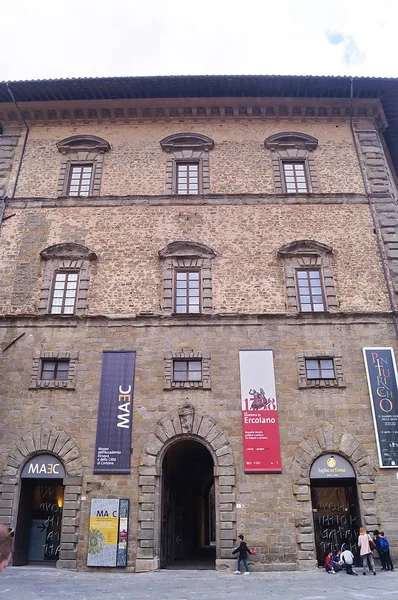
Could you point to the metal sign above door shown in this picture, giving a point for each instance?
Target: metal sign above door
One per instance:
(44, 466)
(332, 466)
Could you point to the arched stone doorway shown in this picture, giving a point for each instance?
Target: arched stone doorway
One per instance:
(188, 430)
(35, 444)
(329, 439)
(187, 536)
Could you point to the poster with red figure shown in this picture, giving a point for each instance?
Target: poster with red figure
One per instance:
(260, 428)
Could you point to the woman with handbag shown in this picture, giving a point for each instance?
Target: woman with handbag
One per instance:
(366, 546)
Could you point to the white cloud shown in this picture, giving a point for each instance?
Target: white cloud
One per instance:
(93, 38)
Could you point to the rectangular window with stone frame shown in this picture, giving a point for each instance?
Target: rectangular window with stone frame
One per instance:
(320, 368)
(310, 292)
(188, 178)
(64, 292)
(80, 180)
(187, 298)
(187, 370)
(54, 369)
(295, 179)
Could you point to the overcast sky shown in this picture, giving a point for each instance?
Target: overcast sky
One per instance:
(44, 39)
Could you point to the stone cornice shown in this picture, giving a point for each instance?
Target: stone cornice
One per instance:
(149, 319)
(200, 200)
(197, 109)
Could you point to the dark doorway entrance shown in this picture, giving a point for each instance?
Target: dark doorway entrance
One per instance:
(188, 507)
(38, 530)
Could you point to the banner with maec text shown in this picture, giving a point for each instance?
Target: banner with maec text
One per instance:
(115, 412)
(260, 427)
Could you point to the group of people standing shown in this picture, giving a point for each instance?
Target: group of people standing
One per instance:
(366, 544)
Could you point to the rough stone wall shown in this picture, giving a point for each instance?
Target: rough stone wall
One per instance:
(239, 162)
(8, 144)
(247, 275)
(268, 509)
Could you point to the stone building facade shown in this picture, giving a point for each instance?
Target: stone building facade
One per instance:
(180, 183)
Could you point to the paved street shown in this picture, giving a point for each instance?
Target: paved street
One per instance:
(28, 583)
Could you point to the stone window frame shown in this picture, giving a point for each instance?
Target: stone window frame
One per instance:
(67, 257)
(170, 357)
(293, 146)
(187, 147)
(308, 255)
(184, 255)
(335, 355)
(82, 150)
(38, 357)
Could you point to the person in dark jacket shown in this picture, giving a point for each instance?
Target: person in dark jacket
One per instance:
(242, 551)
(384, 552)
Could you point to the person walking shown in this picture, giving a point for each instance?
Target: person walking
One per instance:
(6, 546)
(242, 551)
(364, 544)
(384, 553)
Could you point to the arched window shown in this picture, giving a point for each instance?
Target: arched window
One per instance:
(81, 165)
(66, 279)
(187, 281)
(187, 166)
(309, 277)
(293, 162)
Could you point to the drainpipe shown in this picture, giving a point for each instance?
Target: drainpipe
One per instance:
(373, 215)
(25, 139)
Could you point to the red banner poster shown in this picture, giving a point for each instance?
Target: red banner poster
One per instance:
(261, 447)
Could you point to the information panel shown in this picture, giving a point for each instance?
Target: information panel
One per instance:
(108, 534)
(115, 413)
(261, 447)
(381, 372)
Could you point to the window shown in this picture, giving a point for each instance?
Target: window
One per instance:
(187, 178)
(188, 164)
(295, 179)
(293, 164)
(57, 370)
(187, 278)
(190, 370)
(81, 165)
(187, 299)
(320, 368)
(63, 299)
(54, 369)
(309, 277)
(310, 291)
(66, 279)
(80, 180)
(187, 370)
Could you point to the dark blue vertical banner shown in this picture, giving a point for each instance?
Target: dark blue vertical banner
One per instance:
(381, 372)
(115, 412)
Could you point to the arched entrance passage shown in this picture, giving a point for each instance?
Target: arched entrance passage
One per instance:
(17, 492)
(188, 533)
(181, 428)
(335, 506)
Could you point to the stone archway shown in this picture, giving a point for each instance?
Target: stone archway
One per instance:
(184, 423)
(328, 438)
(57, 442)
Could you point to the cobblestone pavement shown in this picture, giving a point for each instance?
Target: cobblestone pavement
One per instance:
(28, 583)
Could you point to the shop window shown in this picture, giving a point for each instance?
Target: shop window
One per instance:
(65, 279)
(54, 369)
(81, 165)
(309, 289)
(188, 164)
(187, 370)
(309, 277)
(187, 278)
(320, 369)
(293, 163)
